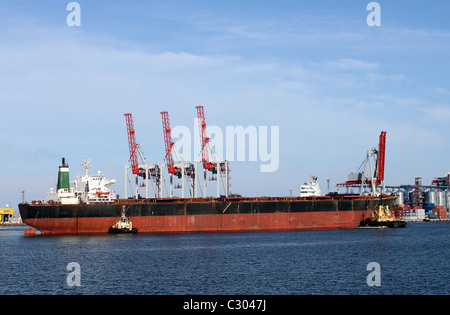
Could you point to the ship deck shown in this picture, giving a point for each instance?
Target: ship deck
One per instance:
(251, 199)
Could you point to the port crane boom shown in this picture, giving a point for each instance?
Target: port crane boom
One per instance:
(132, 143)
(372, 174)
(219, 167)
(144, 169)
(168, 144)
(381, 157)
(178, 168)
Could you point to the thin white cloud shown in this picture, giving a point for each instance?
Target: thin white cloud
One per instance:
(439, 114)
(348, 64)
(442, 90)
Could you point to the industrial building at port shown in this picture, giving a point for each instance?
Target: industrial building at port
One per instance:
(417, 202)
(5, 214)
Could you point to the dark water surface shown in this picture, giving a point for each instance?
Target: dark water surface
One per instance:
(414, 260)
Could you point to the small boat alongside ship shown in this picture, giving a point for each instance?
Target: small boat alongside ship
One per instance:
(123, 226)
(382, 217)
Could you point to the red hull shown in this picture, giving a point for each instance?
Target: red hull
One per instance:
(206, 223)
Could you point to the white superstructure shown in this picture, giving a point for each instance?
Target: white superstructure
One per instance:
(311, 188)
(85, 189)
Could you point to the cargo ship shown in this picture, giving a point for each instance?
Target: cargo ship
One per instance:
(87, 206)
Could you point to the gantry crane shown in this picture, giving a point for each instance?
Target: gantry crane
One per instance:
(183, 171)
(144, 169)
(370, 177)
(218, 167)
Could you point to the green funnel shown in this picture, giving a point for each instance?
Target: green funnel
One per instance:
(63, 176)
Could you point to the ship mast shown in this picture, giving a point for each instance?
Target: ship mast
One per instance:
(87, 165)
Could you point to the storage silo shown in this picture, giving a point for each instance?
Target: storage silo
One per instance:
(430, 196)
(430, 200)
(447, 200)
(401, 197)
(411, 197)
(440, 198)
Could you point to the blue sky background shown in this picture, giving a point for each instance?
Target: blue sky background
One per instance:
(314, 68)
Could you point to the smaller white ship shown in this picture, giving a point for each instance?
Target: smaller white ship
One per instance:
(311, 188)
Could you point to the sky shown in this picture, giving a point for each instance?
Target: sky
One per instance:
(316, 69)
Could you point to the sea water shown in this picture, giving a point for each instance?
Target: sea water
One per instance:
(411, 260)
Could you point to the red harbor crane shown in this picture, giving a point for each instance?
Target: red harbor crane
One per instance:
(214, 165)
(373, 177)
(144, 169)
(132, 143)
(178, 168)
(204, 140)
(381, 157)
(169, 145)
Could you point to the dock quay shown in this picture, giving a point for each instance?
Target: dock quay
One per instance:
(423, 220)
(12, 224)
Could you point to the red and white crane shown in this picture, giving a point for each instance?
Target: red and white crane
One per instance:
(132, 143)
(218, 167)
(381, 157)
(143, 169)
(372, 177)
(184, 171)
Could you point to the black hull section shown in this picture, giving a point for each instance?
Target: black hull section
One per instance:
(208, 215)
(122, 231)
(200, 206)
(389, 224)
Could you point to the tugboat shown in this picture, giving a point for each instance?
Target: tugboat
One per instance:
(382, 217)
(123, 225)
